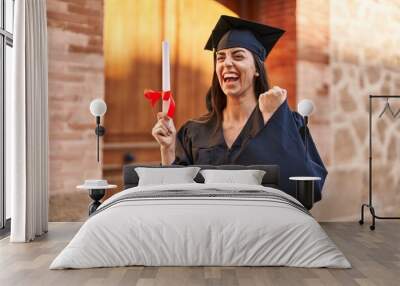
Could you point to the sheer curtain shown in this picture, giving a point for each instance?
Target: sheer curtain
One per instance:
(27, 122)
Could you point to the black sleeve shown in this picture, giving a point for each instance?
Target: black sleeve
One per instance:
(183, 153)
(285, 144)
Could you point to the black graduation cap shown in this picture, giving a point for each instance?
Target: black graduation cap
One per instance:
(232, 32)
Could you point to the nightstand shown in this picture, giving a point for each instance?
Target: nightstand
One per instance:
(97, 190)
(305, 190)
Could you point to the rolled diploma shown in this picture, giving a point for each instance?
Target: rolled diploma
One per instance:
(165, 74)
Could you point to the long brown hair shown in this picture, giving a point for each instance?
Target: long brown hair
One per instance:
(216, 98)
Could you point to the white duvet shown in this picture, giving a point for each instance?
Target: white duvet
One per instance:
(200, 231)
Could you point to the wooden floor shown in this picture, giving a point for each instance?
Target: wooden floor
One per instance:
(374, 255)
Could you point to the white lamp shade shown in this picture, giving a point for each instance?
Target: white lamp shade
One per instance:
(98, 107)
(305, 107)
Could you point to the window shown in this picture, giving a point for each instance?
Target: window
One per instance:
(6, 65)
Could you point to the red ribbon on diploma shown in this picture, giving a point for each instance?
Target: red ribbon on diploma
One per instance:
(154, 96)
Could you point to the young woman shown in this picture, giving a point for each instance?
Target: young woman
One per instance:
(249, 123)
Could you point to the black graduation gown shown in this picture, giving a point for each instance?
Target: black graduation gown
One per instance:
(278, 142)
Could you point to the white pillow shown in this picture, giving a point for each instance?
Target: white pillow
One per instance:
(249, 177)
(163, 176)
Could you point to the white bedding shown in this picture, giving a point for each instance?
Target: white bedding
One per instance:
(200, 231)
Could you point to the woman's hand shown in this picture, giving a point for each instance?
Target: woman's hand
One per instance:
(270, 101)
(165, 133)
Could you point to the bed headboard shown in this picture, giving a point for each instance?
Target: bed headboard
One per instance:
(270, 179)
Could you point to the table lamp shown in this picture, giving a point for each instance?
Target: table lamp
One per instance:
(305, 184)
(98, 108)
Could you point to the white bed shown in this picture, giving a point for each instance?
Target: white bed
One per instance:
(206, 230)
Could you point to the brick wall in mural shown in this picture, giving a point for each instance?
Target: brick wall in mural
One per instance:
(75, 41)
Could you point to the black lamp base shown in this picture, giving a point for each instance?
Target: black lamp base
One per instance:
(305, 193)
(96, 195)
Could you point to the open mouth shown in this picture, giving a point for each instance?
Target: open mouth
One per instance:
(230, 77)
